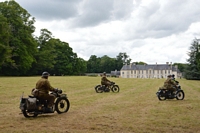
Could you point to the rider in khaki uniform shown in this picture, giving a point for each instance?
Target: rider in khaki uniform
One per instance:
(169, 84)
(104, 80)
(44, 87)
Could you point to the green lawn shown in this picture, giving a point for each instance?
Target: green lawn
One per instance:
(135, 109)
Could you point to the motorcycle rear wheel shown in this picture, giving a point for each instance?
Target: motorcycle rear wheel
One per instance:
(98, 89)
(180, 95)
(29, 114)
(62, 105)
(115, 88)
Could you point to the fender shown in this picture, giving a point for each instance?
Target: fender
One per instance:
(97, 86)
(116, 85)
(180, 91)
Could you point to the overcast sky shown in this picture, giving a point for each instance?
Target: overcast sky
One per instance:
(147, 30)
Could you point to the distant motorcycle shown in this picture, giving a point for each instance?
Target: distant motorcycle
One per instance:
(164, 94)
(102, 88)
(32, 106)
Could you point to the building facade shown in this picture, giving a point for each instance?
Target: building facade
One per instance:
(149, 71)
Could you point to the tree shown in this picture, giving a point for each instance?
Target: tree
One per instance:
(181, 66)
(107, 64)
(64, 59)
(93, 64)
(21, 40)
(140, 63)
(46, 53)
(5, 49)
(80, 66)
(193, 69)
(122, 59)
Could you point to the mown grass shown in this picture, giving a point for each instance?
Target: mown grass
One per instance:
(135, 109)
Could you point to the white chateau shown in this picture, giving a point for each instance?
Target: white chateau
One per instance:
(149, 71)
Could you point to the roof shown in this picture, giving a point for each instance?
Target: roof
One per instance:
(147, 67)
(115, 72)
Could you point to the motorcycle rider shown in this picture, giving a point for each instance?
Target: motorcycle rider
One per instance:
(173, 78)
(177, 83)
(105, 81)
(169, 84)
(43, 86)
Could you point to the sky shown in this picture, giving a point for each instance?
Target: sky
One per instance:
(151, 31)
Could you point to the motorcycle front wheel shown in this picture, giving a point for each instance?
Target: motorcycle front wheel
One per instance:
(115, 88)
(180, 95)
(98, 89)
(62, 105)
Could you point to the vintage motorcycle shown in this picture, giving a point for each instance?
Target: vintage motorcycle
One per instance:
(102, 88)
(33, 106)
(164, 94)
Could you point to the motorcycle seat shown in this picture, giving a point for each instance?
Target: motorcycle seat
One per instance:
(31, 96)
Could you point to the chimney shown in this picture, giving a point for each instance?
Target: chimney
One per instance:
(167, 63)
(130, 65)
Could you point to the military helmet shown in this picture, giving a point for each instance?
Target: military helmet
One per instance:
(173, 75)
(45, 74)
(169, 75)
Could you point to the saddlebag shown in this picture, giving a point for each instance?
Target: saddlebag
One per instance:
(31, 103)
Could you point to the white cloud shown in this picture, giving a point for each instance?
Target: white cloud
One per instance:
(147, 30)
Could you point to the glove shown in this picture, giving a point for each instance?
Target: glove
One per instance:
(55, 89)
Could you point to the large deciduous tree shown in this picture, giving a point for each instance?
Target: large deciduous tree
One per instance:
(122, 59)
(64, 59)
(21, 39)
(107, 64)
(93, 64)
(45, 57)
(5, 49)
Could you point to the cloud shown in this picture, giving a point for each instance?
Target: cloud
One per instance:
(48, 10)
(150, 31)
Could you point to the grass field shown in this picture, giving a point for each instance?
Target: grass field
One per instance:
(135, 109)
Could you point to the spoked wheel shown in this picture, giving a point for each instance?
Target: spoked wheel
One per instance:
(180, 95)
(161, 98)
(98, 89)
(62, 105)
(115, 88)
(29, 114)
(160, 95)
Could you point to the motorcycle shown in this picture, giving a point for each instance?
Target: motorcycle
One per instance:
(33, 106)
(164, 94)
(102, 88)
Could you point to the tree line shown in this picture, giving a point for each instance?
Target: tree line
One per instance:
(23, 53)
